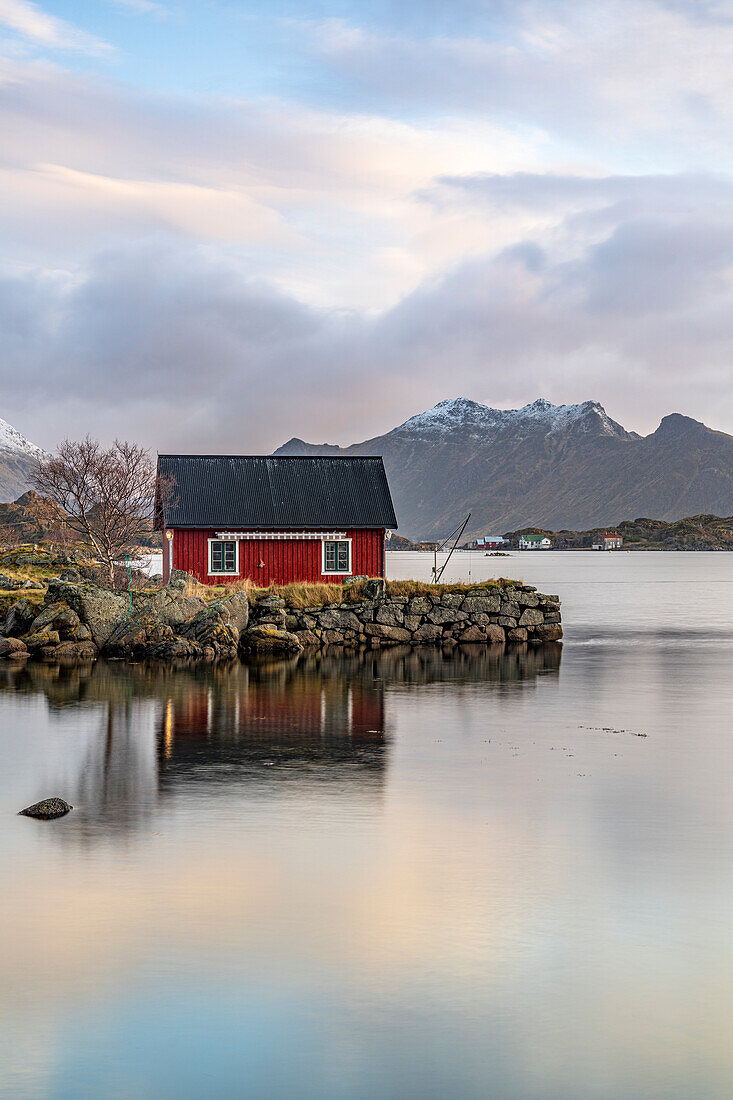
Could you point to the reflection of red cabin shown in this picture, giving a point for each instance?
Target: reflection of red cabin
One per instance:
(299, 712)
(273, 519)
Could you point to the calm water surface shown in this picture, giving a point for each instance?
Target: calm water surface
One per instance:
(491, 875)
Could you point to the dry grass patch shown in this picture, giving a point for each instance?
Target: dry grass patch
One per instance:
(295, 595)
(316, 595)
(216, 591)
(425, 588)
(303, 594)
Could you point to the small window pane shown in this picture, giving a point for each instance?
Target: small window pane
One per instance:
(223, 557)
(336, 557)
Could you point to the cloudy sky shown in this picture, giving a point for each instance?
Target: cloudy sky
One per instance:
(224, 223)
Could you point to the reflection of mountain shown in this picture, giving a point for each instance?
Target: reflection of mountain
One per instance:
(320, 720)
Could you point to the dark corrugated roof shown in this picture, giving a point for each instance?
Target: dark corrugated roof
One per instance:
(237, 491)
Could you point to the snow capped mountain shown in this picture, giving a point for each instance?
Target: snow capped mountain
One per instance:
(12, 440)
(446, 416)
(462, 414)
(18, 457)
(544, 465)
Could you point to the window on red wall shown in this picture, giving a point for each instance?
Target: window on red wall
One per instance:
(222, 556)
(337, 556)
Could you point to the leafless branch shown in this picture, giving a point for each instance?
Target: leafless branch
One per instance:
(107, 494)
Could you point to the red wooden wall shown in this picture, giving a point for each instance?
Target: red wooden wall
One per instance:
(284, 560)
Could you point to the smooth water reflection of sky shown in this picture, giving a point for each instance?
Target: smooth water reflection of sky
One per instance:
(408, 875)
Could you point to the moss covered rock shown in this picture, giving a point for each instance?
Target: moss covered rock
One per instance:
(268, 639)
(39, 639)
(47, 809)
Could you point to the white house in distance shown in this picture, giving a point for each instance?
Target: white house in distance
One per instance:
(608, 540)
(534, 542)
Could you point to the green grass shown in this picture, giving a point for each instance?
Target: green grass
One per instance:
(12, 564)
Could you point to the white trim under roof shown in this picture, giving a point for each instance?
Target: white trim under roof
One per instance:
(253, 536)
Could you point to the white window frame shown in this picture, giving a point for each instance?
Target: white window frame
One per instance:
(336, 572)
(226, 573)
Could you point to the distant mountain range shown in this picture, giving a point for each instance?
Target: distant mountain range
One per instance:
(555, 467)
(551, 466)
(18, 458)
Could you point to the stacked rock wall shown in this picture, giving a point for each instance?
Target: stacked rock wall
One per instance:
(489, 614)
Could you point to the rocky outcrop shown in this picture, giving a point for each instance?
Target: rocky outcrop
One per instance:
(71, 652)
(208, 634)
(135, 637)
(56, 616)
(38, 639)
(19, 618)
(99, 608)
(215, 628)
(170, 605)
(77, 620)
(12, 584)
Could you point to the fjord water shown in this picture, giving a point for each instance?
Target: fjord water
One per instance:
(503, 875)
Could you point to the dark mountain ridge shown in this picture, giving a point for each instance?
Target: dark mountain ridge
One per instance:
(553, 466)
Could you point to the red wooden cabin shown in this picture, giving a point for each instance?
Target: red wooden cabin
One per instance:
(274, 519)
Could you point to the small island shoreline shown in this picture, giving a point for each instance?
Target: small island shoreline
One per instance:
(75, 619)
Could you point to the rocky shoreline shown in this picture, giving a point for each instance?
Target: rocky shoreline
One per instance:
(78, 621)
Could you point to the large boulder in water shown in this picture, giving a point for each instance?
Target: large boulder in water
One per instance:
(268, 639)
(41, 639)
(13, 648)
(71, 652)
(47, 809)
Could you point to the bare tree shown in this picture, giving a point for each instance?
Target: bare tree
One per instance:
(10, 536)
(107, 495)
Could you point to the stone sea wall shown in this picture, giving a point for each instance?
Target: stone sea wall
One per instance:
(489, 614)
(78, 620)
